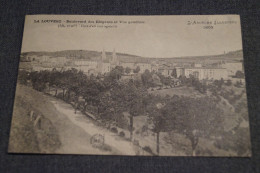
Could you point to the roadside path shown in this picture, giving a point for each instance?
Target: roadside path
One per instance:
(119, 146)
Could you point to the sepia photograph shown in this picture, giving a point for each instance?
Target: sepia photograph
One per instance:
(131, 85)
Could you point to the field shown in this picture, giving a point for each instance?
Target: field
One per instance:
(180, 91)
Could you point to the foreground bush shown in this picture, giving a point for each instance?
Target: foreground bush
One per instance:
(148, 149)
(114, 130)
(122, 134)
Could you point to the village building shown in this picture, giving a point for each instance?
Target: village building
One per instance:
(206, 73)
(166, 69)
(42, 58)
(31, 58)
(143, 67)
(130, 65)
(83, 62)
(179, 71)
(154, 67)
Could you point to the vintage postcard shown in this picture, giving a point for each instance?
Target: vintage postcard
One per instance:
(131, 85)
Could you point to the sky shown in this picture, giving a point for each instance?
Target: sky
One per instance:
(155, 36)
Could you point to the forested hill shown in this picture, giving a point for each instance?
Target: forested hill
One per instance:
(229, 56)
(87, 54)
(92, 55)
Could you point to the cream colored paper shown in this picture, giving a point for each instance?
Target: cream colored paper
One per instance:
(131, 85)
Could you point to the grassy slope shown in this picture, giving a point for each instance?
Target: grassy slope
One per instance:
(24, 137)
(180, 91)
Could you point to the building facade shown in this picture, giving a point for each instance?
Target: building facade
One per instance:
(206, 73)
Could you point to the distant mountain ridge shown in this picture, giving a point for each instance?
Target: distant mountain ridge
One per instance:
(94, 55)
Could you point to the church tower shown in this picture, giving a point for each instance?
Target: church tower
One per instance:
(103, 56)
(115, 60)
(101, 61)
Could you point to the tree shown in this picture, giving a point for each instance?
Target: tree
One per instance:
(127, 70)
(158, 117)
(240, 74)
(167, 81)
(164, 80)
(53, 80)
(137, 69)
(147, 79)
(128, 98)
(183, 79)
(23, 77)
(114, 74)
(174, 73)
(229, 82)
(219, 83)
(110, 109)
(39, 80)
(194, 118)
(236, 140)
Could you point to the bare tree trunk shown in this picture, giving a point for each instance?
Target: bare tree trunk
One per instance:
(131, 127)
(193, 152)
(63, 93)
(85, 106)
(194, 142)
(76, 105)
(158, 143)
(98, 110)
(68, 95)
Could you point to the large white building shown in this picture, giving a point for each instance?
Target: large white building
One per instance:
(130, 65)
(84, 65)
(203, 73)
(143, 67)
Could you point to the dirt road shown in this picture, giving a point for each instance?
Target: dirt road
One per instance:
(79, 142)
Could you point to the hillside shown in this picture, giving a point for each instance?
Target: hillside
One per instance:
(93, 55)
(230, 56)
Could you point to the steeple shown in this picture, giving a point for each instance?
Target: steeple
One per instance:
(103, 56)
(115, 60)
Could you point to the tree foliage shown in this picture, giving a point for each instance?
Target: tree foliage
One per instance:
(194, 117)
(137, 69)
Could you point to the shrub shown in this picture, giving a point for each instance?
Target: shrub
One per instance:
(229, 82)
(136, 142)
(148, 149)
(114, 130)
(238, 84)
(59, 95)
(105, 147)
(122, 134)
(122, 122)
